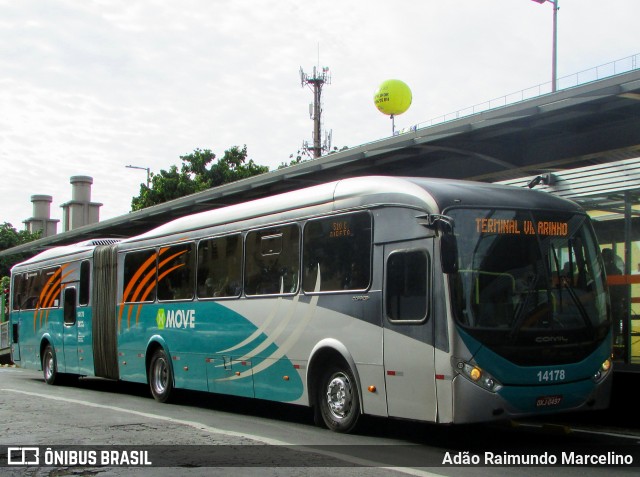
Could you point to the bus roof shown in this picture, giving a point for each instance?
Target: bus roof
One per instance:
(448, 193)
(337, 195)
(427, 194)
(85, 247)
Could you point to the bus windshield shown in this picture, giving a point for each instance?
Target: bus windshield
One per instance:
(527, 280)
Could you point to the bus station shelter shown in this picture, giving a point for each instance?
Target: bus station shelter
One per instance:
(581, 142)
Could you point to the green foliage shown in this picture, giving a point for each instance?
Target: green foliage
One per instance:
(4, 298)
(304, 155)
(198, 172)
(10, 237)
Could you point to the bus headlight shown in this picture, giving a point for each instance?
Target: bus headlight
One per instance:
(603, 371)
(478, 375)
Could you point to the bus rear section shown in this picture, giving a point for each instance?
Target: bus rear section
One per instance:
(531, 314)
(51, 318)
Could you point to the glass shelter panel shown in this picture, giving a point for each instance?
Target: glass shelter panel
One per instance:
(616, 219)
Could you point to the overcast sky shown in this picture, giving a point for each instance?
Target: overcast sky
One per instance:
(89, 86)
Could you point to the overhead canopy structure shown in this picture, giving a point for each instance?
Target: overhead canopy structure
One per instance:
(595, 123)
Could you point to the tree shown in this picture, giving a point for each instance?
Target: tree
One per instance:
(304, 155)
(4, 298)
(196, 175)
(10, 237)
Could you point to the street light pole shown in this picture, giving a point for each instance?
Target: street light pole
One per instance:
(144, 169)
(554, 53)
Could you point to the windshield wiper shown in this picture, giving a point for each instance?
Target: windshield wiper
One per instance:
(521, 312)
(583, 313)
(566, 282)
(557, 262)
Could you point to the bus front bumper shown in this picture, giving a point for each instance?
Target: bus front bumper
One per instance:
(471, 403)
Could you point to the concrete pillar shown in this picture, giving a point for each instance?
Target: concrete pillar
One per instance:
(81, 188)
(80, 211)
(41, 220)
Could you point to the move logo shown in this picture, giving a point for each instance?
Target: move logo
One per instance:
(182, 319)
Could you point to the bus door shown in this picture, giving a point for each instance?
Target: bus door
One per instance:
(70, 329)
(408, 330)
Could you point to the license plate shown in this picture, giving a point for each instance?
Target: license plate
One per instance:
(547, 401)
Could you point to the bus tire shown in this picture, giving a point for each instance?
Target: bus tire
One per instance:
(338, 402)
(50, 366)
(160, 376)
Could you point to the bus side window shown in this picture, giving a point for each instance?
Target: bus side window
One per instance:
(339, 248)
(220, 267)
(407, 286)
(49, 288)
(69, 306)
(272, 261)
(41, 289)
(31, 289)
(85, 277)
(140, 276)
(176, 273)
(17, 291)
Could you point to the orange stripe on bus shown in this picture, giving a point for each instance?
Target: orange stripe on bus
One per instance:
(54, 288)
(43, 300)
(44, 293)
(136, 276)
(139, 291)
(171, 257)
(54, 292)
(150, 288)
(132, 282)
(146, 293)
(136, 291)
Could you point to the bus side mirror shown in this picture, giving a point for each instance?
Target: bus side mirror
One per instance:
(449, 253)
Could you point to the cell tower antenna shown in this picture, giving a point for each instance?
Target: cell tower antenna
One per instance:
(315, 82)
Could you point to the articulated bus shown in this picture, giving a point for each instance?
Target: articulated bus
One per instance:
(431, 300)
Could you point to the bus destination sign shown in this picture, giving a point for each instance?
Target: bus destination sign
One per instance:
(524, 227)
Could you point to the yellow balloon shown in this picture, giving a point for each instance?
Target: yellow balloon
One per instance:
(392, 97)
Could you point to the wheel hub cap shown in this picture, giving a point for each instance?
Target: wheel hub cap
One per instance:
(160, 376)
(339, 396)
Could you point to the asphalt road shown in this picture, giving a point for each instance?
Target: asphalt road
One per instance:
(204, 434)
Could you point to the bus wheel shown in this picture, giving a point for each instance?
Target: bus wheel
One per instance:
(337, 400)
(160, 376)
(49, 366)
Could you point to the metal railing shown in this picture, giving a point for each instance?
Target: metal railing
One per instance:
(606, 70)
